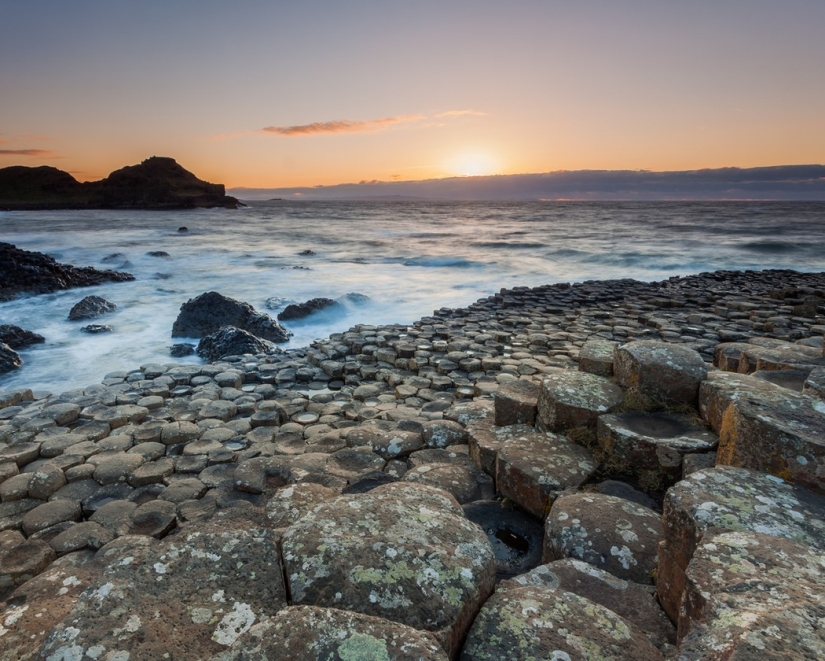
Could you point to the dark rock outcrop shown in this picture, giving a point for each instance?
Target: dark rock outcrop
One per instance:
(9, 360)
(27, 272)
(156, 183)
(231, 341)
(301, 310)
(91, 307)
(18, 338)
(209, 312)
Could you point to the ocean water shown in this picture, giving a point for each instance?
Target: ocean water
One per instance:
(409, 258)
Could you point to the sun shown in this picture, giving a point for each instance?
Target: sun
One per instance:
(473, 164)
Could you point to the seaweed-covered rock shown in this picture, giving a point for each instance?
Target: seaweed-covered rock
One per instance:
(231, 341)
(402, 551)
(209, 312)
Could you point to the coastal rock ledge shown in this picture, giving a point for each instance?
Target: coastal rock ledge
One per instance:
(652, 454)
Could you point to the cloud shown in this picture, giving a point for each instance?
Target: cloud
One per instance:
(26, 152)
(460, 113)
(342, 126)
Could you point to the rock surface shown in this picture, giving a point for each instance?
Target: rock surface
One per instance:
(302, 310)
(90, 307)
(231, 341)
(209, 312)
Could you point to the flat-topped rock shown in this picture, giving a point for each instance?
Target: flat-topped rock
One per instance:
(610, 533)
(765, 427)
(516, 403)
(465, 483)
(660, 370)
(402, 551)
(734, 499)
(533, 469)
(652, 446)
(308, 633)
(596, 356)
(572, 399)
(547, 623)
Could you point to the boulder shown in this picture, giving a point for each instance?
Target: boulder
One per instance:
(301, 310)
(18, 338)
(529, 622)
(402, 551)
(613, 534)
(91, 307)
(533, 469)
(308, 633)
(96, 329)
(231, 341)
(207, 313)
(9, 359)
(668, 372)
(571, 399)
(765, 427)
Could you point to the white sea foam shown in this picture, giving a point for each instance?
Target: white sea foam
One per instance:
(409, 258)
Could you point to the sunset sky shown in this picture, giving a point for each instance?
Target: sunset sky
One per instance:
(275, 94)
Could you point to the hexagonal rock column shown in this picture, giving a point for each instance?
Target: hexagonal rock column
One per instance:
(607, 532)
(534, 468)
(652, 445)
(485, 440)
(596, 356)
(660, 370)
(542, 623)
(402, 551)
(635, 603)
(575, 399)
(786, 356)
(189, 597)
(307, 633)
(516, 403)
(730, 498)
(748, 573)
(766, 427)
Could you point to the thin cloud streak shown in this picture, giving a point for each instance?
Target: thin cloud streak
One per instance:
(26, 152)
(461, 113)
(342, 126)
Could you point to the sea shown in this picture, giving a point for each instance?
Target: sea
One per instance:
(387, 262)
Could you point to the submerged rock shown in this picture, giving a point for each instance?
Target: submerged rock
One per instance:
(211, 311)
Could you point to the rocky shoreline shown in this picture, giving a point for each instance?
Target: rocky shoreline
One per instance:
(604, 470)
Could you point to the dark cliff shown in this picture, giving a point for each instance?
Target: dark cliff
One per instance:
(156, 183)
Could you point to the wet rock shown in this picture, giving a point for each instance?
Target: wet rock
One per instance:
(9, 359)
(516, 538)
(607, 532)
(209, 312)
(302, 310)
(306, 633)
(91, 307)
(516, 403)
(635, 603)
(660, 370)
(734, 499)
(231, 341)
(533, 468)
(765, 427)
(181, 349)
(18, 338)
(189, 597)
(404, 552)
(542, 621)
(575, 399)
(95, 329)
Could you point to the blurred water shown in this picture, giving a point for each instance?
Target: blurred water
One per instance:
(408, 257)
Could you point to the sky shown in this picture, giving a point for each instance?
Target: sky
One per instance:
(288, 94)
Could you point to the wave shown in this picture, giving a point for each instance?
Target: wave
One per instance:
(508, 244)
(442, 262)
(771, 247)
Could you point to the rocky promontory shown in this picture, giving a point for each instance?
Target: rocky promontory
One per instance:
(28, 272)
(607, 470)
(158, 183)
